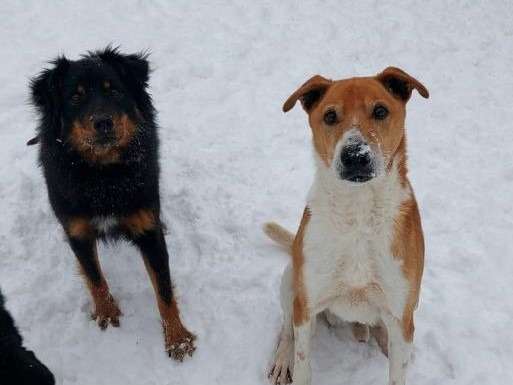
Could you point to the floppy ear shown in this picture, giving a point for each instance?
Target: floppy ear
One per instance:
(400, 84)
(46, 94)
(46, 88)
(308, 94)
(133, 69)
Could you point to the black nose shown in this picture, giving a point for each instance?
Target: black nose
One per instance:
(103, 125)
(357, 162)
(355, 157)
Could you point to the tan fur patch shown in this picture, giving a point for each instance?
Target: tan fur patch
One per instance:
(139, 222)
(172, 324)
(300, 304)
(125, 129)
(83, 139)
(80, 228)
(354, 100)
(408, 246)
(106, 309)
(380, 333)
(280, 235)
(400, 158)
(360, 331)
(178, 340)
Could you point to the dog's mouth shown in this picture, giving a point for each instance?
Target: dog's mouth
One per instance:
(359, 178)
(96, 150)
(102, 144)
(105, 140)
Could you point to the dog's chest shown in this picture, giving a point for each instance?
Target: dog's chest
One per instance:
(105, 224)
(349, 266)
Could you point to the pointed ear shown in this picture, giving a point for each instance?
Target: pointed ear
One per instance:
(308, 94)
(400, 84)
(133, 69)
(46, 88)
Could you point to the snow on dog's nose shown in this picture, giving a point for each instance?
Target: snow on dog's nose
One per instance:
(356, 161)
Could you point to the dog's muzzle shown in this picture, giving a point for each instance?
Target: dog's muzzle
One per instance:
(357, 161)
(104, 127)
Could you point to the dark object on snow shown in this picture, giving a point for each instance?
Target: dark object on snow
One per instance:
(18, 366)
(34, 140)
(99, 152)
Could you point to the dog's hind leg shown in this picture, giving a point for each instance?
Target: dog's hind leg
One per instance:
(82, 239)
(379, 332)
(281, 370)
(145, 231)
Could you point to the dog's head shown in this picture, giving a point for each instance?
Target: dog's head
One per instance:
(358, 123)
(96, 104)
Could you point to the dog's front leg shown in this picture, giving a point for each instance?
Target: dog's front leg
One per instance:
(399, 350)
(145, 231)
(82, 239)
(302, 373)
(281, 371)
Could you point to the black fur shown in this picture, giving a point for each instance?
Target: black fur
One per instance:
(81, 188)
(312, 97)
(398, 87)
(18, 366)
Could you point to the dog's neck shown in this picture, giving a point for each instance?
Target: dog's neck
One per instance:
(384, 193)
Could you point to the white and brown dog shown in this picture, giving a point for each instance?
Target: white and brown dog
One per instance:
(359, 250)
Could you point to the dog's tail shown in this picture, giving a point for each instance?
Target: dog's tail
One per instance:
(279, 234)
(34, 140)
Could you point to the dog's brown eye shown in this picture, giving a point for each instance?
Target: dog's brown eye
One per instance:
(380, 112)
(330, 117)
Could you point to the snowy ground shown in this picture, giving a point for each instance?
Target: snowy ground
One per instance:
(232, 160)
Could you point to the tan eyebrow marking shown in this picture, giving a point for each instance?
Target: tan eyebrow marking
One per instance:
(106, 84)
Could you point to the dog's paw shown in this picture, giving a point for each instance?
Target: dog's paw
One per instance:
(106, 313)
(280, 375)
(281, 371)
(179, 345)
(360, 332)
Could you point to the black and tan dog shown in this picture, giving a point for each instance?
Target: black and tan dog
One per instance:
(99, 153)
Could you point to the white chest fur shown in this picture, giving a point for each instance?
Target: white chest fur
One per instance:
(349, 267)
(104, 224)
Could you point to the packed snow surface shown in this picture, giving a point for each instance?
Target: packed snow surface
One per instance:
(232, 160)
